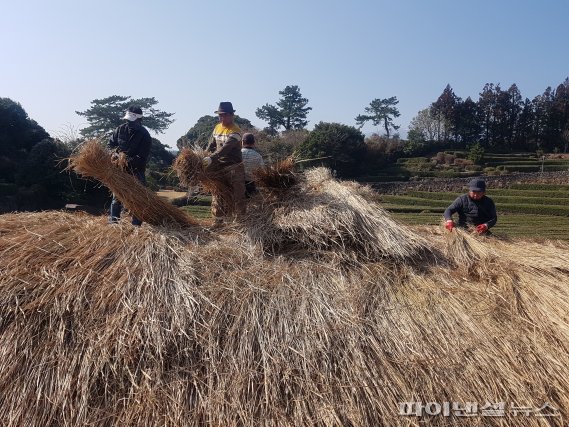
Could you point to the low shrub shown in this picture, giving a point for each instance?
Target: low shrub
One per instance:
(462, 162)
(412, 160)
(444, 158)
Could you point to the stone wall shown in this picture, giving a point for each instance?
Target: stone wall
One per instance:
(456, 185)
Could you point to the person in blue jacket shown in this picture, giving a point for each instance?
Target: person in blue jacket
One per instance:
(132, 139)
(474, 209)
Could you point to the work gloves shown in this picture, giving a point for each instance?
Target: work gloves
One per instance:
(206, 161)
(449, 225)
(482, 228)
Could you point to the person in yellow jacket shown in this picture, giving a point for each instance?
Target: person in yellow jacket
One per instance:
(225, 146)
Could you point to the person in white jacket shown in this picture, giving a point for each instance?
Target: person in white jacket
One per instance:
(251, 160)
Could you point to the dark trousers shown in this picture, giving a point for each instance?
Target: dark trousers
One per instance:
(116, 205)
(250, 188)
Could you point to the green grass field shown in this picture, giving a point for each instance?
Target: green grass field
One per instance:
(201, 212)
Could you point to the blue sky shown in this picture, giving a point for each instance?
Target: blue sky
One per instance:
(59, 55)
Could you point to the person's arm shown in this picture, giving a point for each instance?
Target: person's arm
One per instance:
(231, 144)
(212, 145)
(453, 208)
(493, 214)
(114, 140)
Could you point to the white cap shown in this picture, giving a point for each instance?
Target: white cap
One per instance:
(131, 117)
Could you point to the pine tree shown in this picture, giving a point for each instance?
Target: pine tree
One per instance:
(106, 114)
(381, 111)
(290, 112)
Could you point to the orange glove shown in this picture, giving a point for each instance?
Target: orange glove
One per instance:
(482, 228)
(449, 225)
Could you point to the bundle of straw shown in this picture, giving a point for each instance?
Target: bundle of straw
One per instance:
(94, 161)
(277, 176)
(321, 213)
(189, 168)
(155, 328)
(466, 248)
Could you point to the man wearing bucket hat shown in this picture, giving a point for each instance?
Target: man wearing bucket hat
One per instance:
(132, 139)
(225, 146)
(474, 209)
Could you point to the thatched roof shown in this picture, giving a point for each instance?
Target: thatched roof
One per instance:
(118, 325)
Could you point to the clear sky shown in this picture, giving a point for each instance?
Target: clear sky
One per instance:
(59, 55)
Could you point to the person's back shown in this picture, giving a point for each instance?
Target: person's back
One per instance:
(135, 141)
(252, 160)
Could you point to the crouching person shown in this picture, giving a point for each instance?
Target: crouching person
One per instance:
(475, 209)
(225, 145)
(132, 139)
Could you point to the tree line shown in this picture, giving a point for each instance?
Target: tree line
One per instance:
(499, 120)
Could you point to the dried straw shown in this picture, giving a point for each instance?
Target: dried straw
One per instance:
(189, 168)
(277, 176)
(311, 212)
(321, 213)
(145, 326)
(466, 248)
(94, 161)
(350, 315)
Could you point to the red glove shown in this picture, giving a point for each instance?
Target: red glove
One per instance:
(449, 225)
(482, 228)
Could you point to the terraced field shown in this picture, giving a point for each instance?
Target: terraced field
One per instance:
(529, 210)
(492, 164)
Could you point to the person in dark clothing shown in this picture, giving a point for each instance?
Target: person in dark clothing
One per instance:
(474, 209)
(132, 139)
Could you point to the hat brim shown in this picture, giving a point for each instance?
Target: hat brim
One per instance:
(132, 117)
(218, 112)
(477, 189)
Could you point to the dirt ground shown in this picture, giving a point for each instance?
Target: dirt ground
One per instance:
(171, 194)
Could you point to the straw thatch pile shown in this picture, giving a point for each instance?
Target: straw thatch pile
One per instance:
(117, 325)
(327, 215)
